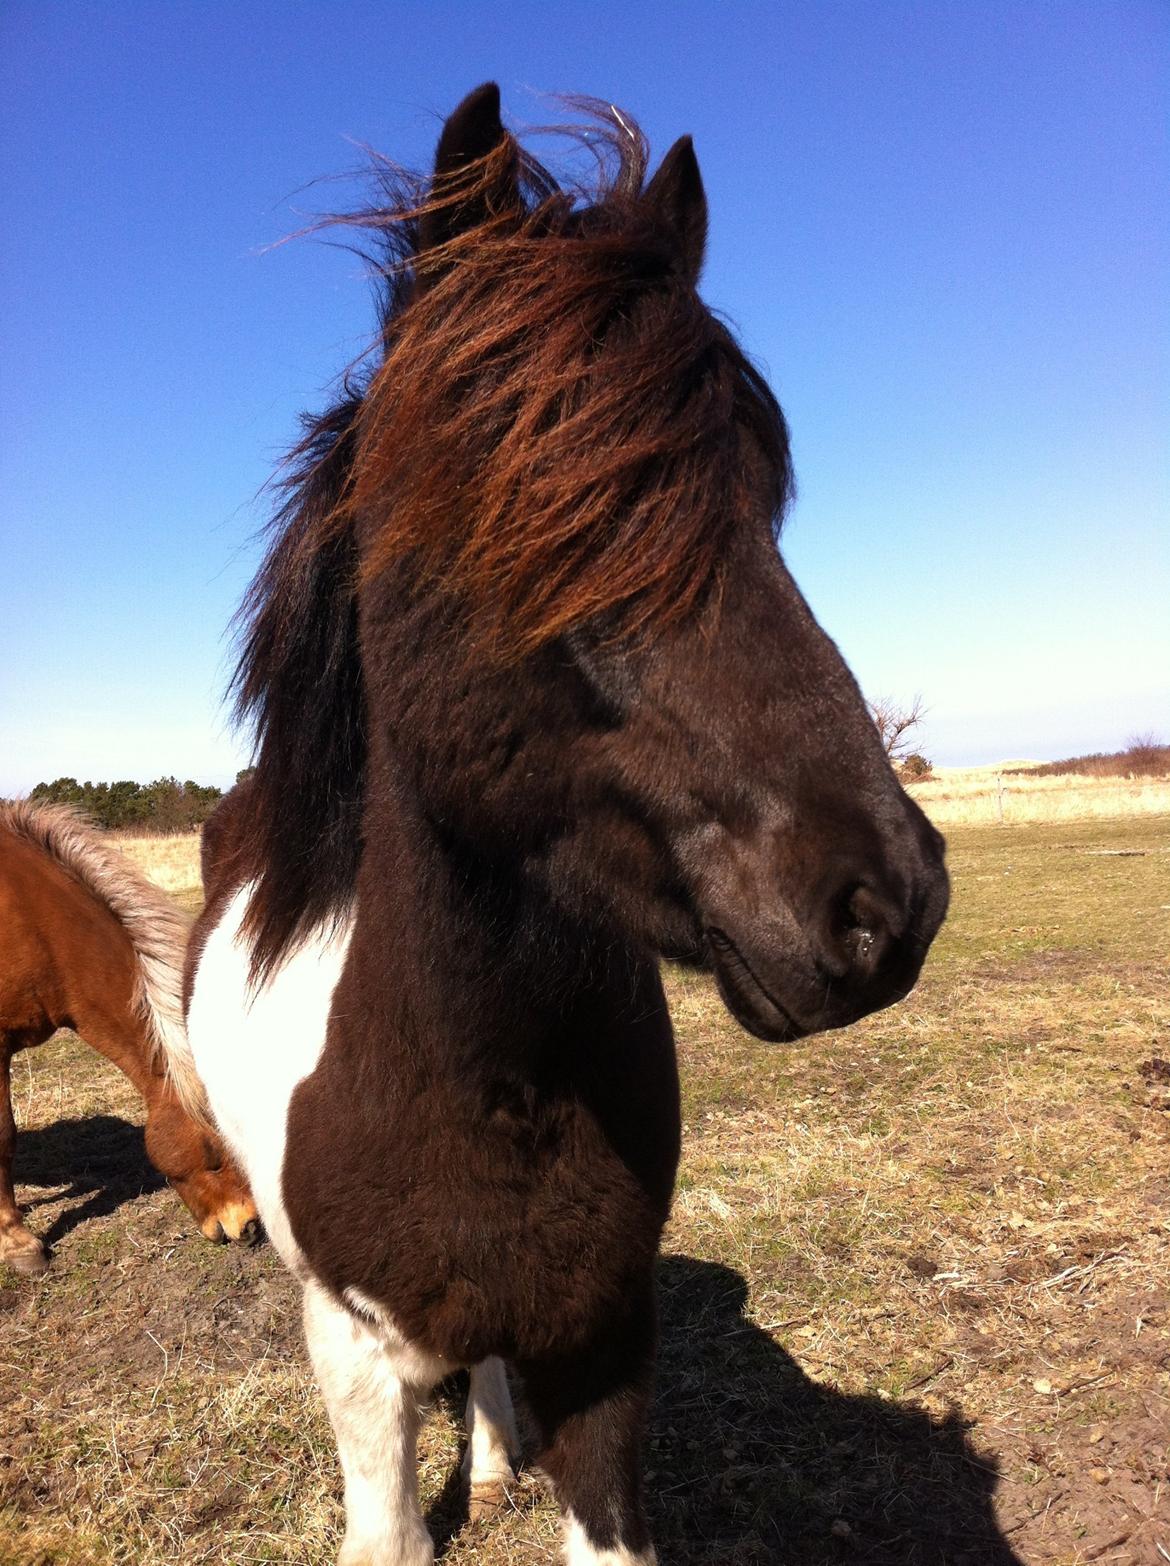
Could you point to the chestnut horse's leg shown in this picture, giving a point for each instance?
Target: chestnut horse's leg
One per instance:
(18, 1248)
(492, 1443)
(590, 1409)
(373, 1384)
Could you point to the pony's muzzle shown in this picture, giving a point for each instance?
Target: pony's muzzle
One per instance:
(854, 944)
(870, 941)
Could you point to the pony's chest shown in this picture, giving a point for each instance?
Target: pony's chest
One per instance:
(480, 1228)
(481, 1221)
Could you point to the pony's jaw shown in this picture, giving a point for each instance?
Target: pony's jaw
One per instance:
(752, 1006)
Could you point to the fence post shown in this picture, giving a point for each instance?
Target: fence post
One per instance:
(999, 796)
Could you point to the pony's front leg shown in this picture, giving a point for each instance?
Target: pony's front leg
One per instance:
(373, 1385)
(492, 1442)
(19, 1248)
(590, 1409)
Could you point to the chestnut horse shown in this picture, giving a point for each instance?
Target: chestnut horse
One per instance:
(91, 944)
(537, 703)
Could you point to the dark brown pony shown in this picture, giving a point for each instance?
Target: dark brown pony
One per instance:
(537, 702)
(90, 944)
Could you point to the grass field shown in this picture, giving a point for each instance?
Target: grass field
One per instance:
(914, 1295)
(974, 796)
(171, 861)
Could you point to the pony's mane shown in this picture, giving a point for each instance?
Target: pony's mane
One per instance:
(155, 928)
(557, 430)
(600, 431)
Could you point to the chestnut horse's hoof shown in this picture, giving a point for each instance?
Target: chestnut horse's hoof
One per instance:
(24, 1253)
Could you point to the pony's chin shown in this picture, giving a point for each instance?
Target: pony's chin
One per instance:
(746, 998)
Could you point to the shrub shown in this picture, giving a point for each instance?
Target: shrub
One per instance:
(915, 769)
(1144, 756)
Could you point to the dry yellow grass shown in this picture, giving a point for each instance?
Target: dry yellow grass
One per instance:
(970, 796)
(171, 861)
(914, 1306)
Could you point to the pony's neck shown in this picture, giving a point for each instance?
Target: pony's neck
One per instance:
(118, 1033)
(476, 949)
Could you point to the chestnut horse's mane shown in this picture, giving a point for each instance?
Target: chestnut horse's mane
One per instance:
(558, 431)
(155, 928)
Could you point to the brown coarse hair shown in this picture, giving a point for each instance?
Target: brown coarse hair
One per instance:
(557, 433)
(559, 429)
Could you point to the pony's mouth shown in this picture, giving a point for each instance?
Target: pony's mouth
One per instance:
(745, 997)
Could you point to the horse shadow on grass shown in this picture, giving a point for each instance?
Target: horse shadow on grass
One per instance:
(92, 1165)
(750, 1462)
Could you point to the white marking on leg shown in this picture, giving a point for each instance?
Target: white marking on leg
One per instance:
(252, 1048)
(492, 1442)
(413, 1364)
(373, 1393)
(580, 1552)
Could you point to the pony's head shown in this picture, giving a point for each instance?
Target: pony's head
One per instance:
(555, 507)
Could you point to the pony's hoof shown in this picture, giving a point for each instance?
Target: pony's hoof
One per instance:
(487, 1499)
(29, 1257)
(418, 1551)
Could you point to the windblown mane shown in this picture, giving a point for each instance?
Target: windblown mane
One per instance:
(157, 931)
(557, 430)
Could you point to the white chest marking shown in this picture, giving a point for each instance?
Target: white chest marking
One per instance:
(252, 1047)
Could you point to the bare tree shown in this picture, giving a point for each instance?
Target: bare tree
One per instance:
(896, 723)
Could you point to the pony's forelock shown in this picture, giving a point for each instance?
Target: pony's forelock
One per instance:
(558, 428)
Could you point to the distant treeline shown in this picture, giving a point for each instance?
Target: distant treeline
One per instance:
(1144, 756)
(166, 805)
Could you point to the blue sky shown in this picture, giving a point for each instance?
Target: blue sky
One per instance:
(940, 227)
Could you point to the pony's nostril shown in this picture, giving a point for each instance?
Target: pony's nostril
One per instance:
(252, 1233)
(863, 940)
(860, 929)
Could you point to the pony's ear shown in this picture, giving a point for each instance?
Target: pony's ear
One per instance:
(460, 199)
(676, 194)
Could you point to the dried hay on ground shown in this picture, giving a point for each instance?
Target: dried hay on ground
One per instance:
(973, 796)
(171, 861)
(914, 1305)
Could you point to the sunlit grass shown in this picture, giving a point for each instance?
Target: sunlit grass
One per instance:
(901, 1255)
(968, 796)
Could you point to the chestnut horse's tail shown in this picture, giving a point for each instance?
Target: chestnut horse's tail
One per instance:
(156, 929)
